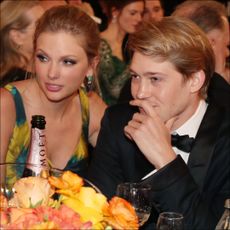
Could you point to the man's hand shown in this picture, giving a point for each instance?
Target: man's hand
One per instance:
(151, 134)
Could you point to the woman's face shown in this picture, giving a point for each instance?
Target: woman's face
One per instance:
(130, 16)
(61, 64)
(26, 41)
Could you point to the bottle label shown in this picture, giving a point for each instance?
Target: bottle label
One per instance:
(37, 154)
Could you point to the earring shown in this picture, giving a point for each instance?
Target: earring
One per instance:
(89, 83)
(114, 19)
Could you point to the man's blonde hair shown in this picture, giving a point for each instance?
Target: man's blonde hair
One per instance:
(178, 41)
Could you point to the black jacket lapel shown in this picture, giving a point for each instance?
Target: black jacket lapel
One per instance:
(204, 144)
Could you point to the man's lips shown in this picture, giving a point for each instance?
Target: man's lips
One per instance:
(142, 111)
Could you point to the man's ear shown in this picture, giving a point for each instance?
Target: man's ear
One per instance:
(212, 36)
(16, 36)
(197, 81)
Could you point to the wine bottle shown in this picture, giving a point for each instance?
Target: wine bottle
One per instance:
(37, 164)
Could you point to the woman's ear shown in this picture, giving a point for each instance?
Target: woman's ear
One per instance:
(115, 13)
(93, 66)
(197, 81)
(16, 36)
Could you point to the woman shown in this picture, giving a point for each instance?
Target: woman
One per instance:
(124, 18)
(64, 54)
(18, 20)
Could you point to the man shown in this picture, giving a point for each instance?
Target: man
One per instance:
(153, 10)
(211, 17)
(172, 63)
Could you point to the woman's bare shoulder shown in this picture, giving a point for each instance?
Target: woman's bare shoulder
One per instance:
(97, 109)
(96, 101)
(7, 120)
(6, 102)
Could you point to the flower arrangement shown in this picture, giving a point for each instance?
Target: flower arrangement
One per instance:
(77, 206)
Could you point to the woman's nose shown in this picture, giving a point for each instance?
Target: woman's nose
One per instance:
(53, 71)
(139, 18)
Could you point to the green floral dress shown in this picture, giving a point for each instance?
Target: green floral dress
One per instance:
(112, 74)
(20, 140)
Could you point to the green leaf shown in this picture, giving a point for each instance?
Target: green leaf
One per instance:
(35, 205)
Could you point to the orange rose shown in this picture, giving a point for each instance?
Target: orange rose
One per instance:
(120, 214)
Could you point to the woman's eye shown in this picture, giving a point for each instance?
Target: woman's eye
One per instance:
(133, 13)
(69, 62)
(42, 58)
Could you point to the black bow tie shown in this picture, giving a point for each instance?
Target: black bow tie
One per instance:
(183, 143)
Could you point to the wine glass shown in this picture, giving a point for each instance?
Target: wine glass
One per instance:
(170, 221)
(138, 196)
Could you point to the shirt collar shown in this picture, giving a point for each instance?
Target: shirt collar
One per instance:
(191, 126)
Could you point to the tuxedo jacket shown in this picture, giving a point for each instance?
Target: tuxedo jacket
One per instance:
(219, 91)
(197, 189)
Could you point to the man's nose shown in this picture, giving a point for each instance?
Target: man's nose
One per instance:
(143, 90)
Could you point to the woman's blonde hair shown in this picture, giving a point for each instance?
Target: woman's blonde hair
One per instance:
(74, 21)
(179, 41)
(71, 20)
(12, 17)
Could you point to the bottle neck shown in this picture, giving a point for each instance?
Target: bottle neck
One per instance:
(37, 152)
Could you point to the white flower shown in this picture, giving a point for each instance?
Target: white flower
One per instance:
(31, 192)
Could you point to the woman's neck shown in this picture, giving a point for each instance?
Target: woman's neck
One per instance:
(114, 36)
(113, 33)
(59, 109)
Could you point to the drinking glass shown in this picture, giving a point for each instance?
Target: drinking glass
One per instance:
(138, 196)
(170, 221)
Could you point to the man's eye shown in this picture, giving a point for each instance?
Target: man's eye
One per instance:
(69, 62)
(134, 76)
(154, 79)
(42, 58)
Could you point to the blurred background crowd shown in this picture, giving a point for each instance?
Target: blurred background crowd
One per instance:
(116, 20)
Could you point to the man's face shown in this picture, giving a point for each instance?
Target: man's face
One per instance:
(153, 10)
(159, 83)
(220, 41)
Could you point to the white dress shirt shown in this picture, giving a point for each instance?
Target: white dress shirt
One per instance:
(190, 127)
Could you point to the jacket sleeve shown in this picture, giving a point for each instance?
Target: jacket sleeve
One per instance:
(174, 189)
(104, 169)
